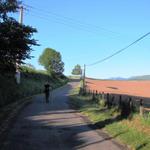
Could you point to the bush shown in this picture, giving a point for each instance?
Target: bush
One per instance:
(102, 102)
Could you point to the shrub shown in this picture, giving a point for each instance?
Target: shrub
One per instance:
(102, 102)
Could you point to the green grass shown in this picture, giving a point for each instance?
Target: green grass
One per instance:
(146, 120)
(130, 136)
(31, 83)
(125, 131)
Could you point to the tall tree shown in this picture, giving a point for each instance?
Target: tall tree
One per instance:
(15, 39)
(77, 70)
(52, 61)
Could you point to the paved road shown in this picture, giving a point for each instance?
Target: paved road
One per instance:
(55, 126)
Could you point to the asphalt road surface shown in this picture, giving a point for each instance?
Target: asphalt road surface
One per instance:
(54, 126)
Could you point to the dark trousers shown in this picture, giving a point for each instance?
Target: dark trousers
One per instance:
(47, 97)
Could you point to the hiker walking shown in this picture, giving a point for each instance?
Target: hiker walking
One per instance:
(46, 91)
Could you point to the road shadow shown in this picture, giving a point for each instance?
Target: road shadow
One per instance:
(70, 134)
(102, 124)
(56, 126)
(103, 140)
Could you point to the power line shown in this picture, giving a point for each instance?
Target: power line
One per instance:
(60, 22)
(68, 19)
(119, 51)
(71, 25)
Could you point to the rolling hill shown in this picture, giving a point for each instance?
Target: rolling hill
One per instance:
(144, 77)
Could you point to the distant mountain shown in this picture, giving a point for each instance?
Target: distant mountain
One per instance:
(144, 77)
(118, 78)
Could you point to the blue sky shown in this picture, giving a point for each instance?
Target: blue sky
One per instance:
(85, 31)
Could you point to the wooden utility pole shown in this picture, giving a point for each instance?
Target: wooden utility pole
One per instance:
(84, 77)
(21, 15)
(17, 75)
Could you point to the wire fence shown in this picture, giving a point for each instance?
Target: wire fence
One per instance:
(126, 103)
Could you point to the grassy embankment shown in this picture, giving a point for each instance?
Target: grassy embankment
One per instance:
(14, 97)
(133, 131)
(32, 82)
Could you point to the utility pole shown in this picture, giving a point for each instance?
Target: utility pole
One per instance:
(84, 77)
(21, 15)
(17, 75)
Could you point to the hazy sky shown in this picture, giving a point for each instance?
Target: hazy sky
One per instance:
(85, 31)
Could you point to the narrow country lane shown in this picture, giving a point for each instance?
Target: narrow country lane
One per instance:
(55, 126)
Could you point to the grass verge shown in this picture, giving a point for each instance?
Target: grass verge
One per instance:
(31, 83)
(133, 131)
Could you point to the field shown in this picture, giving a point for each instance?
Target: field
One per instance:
(133, 88)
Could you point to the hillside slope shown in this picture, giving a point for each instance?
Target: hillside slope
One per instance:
(32, 82)
(144, 77)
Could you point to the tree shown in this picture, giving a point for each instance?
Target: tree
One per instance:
(77, 70)
(15, 39)
(52, 61)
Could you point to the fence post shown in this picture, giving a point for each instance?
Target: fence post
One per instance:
(89, 92)
(112, 100)
(131, 104)
(96, 92)
(141, 108)
(103, 95)
(107, 99)
(93, 96)
(120, 101)
(100, 95)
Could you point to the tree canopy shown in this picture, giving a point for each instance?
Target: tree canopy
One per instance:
(52, 61)
(77, 70)
(15, 39)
